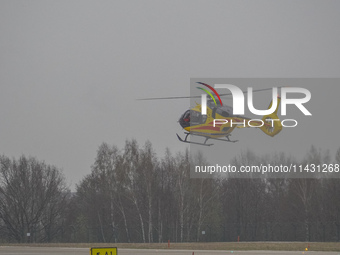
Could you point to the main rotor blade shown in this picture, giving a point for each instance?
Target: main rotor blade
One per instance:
(161, 98)
(186, 97)
(245, 92)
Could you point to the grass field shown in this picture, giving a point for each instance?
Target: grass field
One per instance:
(274, 246)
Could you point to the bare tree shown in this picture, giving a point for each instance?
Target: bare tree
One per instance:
(182, 185)
(147, 168)
(32, 198)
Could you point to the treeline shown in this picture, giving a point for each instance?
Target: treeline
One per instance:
(132, 195)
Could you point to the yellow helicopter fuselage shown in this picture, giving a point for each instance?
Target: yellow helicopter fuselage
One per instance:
(219, 122)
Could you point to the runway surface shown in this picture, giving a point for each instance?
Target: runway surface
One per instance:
(20, 250)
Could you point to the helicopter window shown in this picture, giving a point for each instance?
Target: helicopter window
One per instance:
(195, 117)
(203, 119)
(222, 113)
(186, 116)
(225, 114)
(185, 119)
(214, 112)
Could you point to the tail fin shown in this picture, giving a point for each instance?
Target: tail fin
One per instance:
(272, 124)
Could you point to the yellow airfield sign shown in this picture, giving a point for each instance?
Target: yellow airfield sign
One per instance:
(103, 251)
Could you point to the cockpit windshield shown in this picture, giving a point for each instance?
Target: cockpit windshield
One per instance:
(192, 118)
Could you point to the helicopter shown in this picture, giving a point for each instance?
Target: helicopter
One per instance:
(219, 121)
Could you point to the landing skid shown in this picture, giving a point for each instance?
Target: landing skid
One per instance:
(186, 141)
(206, 139)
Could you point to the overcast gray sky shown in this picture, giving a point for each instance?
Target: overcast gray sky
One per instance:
(70, 71)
